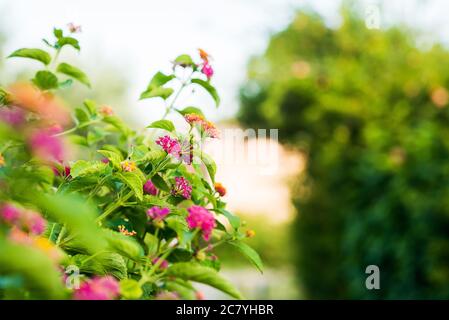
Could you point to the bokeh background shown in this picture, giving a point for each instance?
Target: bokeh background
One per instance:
(362, 110)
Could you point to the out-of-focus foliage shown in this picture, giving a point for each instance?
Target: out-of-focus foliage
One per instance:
(370, 109)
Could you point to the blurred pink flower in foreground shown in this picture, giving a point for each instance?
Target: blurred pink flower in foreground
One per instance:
(158, 213)
(98, 288)
(46, 146)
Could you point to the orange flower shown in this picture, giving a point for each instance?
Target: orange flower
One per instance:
(2, 161)
(250, 233)
(125, 232)
(220, 189)
(204, 55)
(106, 111)
(46, 105)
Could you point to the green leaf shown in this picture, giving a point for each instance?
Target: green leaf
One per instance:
(45, 80)
(58, 33)
(73, 72)
(233, 219)
(117, 123)
(249, 253)
(65, 84)
(124, 245)
(161, 92)
(114, 157)
(64, 41)
(81, 115)
(130, 289)
(133, 181)
(4, 97)
(163, 124)
(35, 54)
(101, 264)
(160, 183)
(77, 214)
(40, 273)
(190, 110)
(209, 88)
(184, 60)
(210, 164)
(91, 106)
(155, 88)
(82, 168)
(195, 272)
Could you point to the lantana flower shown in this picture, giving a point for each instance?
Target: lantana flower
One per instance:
(207, 127)
(207, 70)
(122, 229)
(170, 145)
(98, 288)
(128, 165)
(150, 188)
(106, 111)
(46, 146)
(182, 188)
(163, 263)
(201, 218)
(220, 189)
(158, 213)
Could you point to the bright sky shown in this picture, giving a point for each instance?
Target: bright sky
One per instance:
(141, 37)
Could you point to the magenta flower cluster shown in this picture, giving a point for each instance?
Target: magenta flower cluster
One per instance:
(149, 188)
(46, 146)
(158, 213)
(182, 188)
(201, 218)
(170, 145)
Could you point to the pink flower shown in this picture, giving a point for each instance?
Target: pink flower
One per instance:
(99, 288)
(200, 217)
(46, 147)
(182, 187)
(158, 213)
(65, 172)
(54, 129)
(105, 160)
(170, 145)
(12, 116)
(149, 188)
(9, 213)
(163, 265)
(34, 222)
(207, 70)
(73, 28)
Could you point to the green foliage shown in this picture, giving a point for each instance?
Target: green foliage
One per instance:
(369, 109)
(91, 213)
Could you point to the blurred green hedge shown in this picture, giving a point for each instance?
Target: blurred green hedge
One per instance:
(370, 109)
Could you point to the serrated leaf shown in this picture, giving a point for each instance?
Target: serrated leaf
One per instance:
(124, 245)
(83, 167)
(114, 157)
(35, 54)
(73, 72)
(195, 272)
(209, 88)
(249, 253)
(133, 181)
(163, 124)
(45, 80)
(101, 264)
(190, 110)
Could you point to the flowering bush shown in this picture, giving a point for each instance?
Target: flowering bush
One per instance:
(132, 216)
